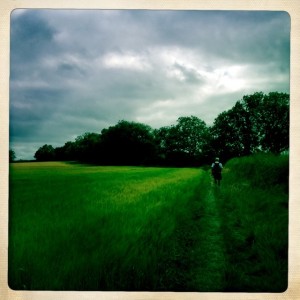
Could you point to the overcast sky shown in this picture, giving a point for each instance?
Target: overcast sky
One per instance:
(77, 71)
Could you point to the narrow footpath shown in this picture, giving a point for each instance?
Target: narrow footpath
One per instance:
(211, 261)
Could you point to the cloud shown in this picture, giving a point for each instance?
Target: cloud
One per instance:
(31, 36)
(130, 61)
(74, 71)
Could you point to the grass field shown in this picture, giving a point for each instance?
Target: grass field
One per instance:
(85, 227)
(80, 227)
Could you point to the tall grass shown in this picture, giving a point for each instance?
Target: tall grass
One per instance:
(266, 171)
(254, 203)
(75, 227)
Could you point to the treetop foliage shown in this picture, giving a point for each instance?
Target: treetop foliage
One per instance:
(12, 155)
(256, 123)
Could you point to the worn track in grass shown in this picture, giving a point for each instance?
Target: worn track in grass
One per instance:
(210, 265)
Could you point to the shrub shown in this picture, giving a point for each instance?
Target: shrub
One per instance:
(261, 170)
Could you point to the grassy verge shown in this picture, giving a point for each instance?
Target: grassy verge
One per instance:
(75, 227)
(254, 203)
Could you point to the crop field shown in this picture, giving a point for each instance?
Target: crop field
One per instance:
(85, 227)
(82, 227)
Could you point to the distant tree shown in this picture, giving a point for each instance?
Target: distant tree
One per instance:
(59, 154)
(225, 139)
(86, 147)
(167, 141)
(274, 123)
(127, 143)
(66, 152)
(185, 142)
(192, 133)
(258, 122)
(232, 133)
(45, 153)
(69, 151)
(269, 118)
(12, 155)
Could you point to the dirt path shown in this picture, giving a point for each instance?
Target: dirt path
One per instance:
(211, 263)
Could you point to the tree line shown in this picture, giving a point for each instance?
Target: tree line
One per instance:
(257, 123)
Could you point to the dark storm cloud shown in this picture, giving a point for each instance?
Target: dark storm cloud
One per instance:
(74, 71)
(30, 37)
(230, 35)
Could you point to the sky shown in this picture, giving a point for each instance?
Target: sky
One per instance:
(77, 71)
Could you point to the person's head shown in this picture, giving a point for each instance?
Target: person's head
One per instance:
(217, 159)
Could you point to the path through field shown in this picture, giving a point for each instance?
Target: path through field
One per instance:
(211, 248)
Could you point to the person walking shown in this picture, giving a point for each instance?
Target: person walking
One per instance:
(216, 170)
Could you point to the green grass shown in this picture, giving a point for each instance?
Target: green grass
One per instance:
(254, 204)
(75, 227)
(80, 227)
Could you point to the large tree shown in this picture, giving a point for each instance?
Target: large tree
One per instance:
(258, 122)
(274, 127)
(185, 142)
(67, 152)
(127, 143)
(45, 153)
(269, 116)
(226, 141)
(86, 147)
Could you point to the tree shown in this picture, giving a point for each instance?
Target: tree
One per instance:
(127, 143)
(168, 150)
(269, 115)
(45, 153)
(185, 142)
(258, 122)
(66, 152)
(86, 147)
(226, 141)
(192, 133)
(274, 127)
(12, 155)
